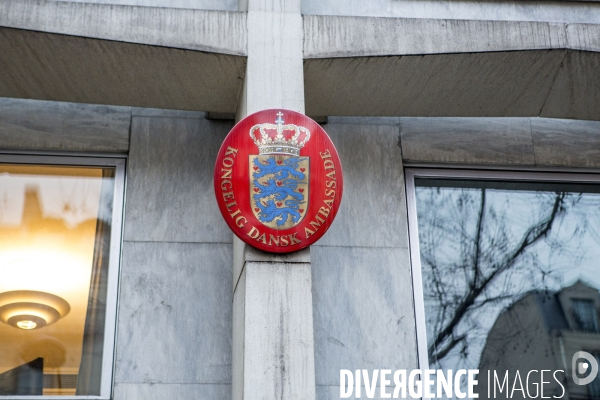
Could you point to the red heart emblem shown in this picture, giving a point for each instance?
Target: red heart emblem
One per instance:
(301, 190)
(301, 210)
(279, 162)
(302, 169)
(255, 168)
(278, 204)
(257, 209)
(256, 190)
(278, 183)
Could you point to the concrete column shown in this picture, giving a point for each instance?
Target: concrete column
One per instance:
(273, 346)
(274, 73)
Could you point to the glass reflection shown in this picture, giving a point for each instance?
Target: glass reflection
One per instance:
(54, 244)
(511, 278)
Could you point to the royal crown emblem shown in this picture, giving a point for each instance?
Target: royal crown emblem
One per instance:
(278, 175)
(271, 138)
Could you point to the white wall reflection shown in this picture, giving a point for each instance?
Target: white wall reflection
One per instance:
(70, 199)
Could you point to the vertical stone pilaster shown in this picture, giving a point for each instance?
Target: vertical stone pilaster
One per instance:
(273, 345)
(274, 73)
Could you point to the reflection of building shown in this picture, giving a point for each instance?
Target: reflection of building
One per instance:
(542, 331)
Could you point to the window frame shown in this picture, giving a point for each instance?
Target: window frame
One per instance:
(410, 173)
(119, 163)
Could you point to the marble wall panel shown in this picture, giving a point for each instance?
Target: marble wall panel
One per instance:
(373, 210)
(332, 392)
(567, 143)
(467, 140)
(170, 194)
(175, 314)
(160, 112)
(145, 391)
(51, 125)
(362, 310)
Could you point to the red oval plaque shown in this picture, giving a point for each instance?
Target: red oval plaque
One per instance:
(278, 180)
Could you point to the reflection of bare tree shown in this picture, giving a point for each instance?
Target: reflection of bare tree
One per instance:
(460, 287)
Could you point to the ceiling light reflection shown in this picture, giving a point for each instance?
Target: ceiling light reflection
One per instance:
(29, 309)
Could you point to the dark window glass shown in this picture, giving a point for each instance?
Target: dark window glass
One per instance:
(594, 386)
(501, 262)
(584, 313)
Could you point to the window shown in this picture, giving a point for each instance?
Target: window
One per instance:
(584, 313)
(60, 223)
(497, 258)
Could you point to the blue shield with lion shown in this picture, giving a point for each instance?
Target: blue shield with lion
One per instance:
(279, 189)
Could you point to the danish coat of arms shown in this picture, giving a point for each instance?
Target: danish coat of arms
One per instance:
(278, 175)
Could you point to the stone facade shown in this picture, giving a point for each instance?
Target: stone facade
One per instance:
(441, 85)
